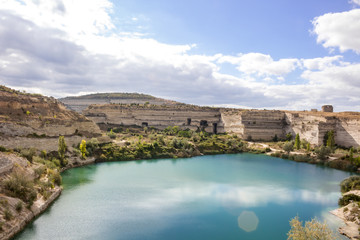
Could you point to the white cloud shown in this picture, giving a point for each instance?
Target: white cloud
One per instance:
(339, 30)
(261, 64)
(336, 76)
(357, 2)
(322, 63)
(66, 47)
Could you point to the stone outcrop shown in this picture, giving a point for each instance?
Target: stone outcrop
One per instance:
(248, 124)
(80, 103)
(36, 121)
(185, 116)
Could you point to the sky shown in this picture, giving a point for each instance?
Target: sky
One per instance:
(278, 54)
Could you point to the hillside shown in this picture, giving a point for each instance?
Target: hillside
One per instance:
(80, 103)
(32, 120)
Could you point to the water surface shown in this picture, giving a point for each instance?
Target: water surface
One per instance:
(240, 196)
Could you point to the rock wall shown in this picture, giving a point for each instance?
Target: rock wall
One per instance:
(314, 126)
(254, 124)
(248, 124)
(348, 132)
(80, 103)
(37, 121)
(186, 117)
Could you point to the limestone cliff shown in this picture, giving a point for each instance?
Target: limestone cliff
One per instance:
(80, 103)
(29, 120)
(248, 124)
(184, 116)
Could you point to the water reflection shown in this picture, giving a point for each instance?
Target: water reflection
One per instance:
(210, 197)
(248, 221)
(231, 196)
(84, 175)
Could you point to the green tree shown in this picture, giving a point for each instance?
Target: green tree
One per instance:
(288, 137)
(351, 155)
(297, 142)
(83, 148)
(288, 147)
(330, 141)
(308, 147)
(322, 152)
(275, 138)
(312, 230)
(62, 149)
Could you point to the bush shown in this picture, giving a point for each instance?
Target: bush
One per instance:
(19, 206)
(111, 134)
(28, 153)
(19, 186)
(39, 171)
(350, 183)
(301, 158)
(346, 199)
(3, 149)
(323, 152)
(288, 147)
(7, 214)
(311, 230)
(54, 177)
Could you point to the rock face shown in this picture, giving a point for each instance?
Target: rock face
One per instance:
(184, 116)
(80, 103)
(248, 124)
(33, 120)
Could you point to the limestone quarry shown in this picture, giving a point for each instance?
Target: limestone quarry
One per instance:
(248, 124)
(35, 121)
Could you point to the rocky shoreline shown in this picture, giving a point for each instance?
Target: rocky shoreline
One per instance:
(350, 214)
(29, 215)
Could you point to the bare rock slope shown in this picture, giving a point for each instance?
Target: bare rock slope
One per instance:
(31, 120)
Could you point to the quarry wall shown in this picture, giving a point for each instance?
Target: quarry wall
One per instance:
(248, 124)
(194, 118)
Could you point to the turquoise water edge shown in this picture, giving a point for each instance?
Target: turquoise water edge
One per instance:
(239, 196)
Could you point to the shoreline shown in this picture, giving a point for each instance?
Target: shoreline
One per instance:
(29, 215)
(39, 206)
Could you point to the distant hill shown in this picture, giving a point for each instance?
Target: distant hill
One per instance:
(80, 103)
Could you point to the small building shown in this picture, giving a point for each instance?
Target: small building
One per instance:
(327, 108)
(314, 110)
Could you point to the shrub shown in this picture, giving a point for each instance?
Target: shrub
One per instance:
(111, 134)
(39, 171)
(276, 154)
(288, 147)
(288, 137)
(7, 214)
(3, 149)
(28, 153)
(19, 206)
(54, 177)
(17, 185)
(348, 198)
(92, 145)
(302, 158)
(323, 152)
(350, 183)
(311, 230)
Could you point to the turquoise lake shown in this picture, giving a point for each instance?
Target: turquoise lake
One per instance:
(239, 196)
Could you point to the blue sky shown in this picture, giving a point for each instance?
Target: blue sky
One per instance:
(276, 54)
